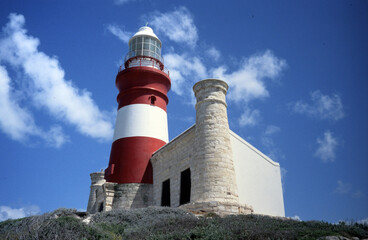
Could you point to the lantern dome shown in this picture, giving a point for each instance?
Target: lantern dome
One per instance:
(144, 50)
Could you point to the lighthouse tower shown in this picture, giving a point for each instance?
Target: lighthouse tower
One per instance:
(141, 122)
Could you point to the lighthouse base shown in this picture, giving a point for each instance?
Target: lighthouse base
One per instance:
(127, 195)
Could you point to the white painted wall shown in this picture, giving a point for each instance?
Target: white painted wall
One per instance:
(258, 178)
(141, 120)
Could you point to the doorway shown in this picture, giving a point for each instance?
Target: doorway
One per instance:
(165, 196)
(185, 186)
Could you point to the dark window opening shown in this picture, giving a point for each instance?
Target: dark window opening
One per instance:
(165, 196)
(185, 185)
(100, 209)
(153, 100)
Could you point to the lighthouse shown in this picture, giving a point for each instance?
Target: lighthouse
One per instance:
(141, 122)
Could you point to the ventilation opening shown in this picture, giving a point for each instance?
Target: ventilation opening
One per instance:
(100, 209)
(185, 185)
(165, 196)
(153, 100)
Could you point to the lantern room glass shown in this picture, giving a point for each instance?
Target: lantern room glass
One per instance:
(145, 46)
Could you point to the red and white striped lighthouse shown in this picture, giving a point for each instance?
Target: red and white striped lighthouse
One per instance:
(141, 122)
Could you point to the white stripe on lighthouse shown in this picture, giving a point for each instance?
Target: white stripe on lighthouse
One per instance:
(141, 120)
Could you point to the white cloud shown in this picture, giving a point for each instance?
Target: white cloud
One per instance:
(55, 136)
(17, 122)
(177, 25)
(14, 213)
(326, 147)
(248, 82)
(50, 89)
(322, 106)
(213, 53)
(245, 84)
(272, 129)
(342, 188)
(184, 71)
(250, 117)
(120, 33)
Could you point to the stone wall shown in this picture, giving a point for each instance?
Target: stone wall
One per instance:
(105, 196)
(128, 195)
(168, 162)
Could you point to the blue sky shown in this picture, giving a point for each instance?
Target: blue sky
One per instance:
(297, 72)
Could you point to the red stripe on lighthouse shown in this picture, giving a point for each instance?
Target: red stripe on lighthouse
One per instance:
(130, 160)
(140, 95)
(139, 85)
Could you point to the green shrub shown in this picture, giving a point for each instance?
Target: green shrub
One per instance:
(157, 223)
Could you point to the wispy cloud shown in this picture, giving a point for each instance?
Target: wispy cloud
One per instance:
(177, 25)
(267, 141)
(119, 32)
(213, 53)
(342, 188)
(345, 188)
(357, 194)
(322, 106)
(249, 117)
(14, 213)
(17, 122)
(184, 70)
(249, 81)
(272, 129)
(49, 88)
(327, 145)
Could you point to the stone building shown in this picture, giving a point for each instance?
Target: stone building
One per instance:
(207, 168)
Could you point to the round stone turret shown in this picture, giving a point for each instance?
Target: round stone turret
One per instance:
(97, 178)
(214, 173)
(95, 201)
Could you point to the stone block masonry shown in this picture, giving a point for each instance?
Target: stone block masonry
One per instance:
(213, 167)
(168, 162)
(127, 195)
